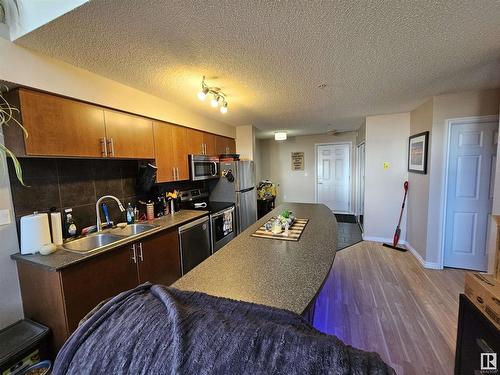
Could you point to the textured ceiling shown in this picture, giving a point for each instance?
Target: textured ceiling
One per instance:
(269, 57)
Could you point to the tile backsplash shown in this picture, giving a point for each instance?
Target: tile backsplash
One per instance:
(75, 183)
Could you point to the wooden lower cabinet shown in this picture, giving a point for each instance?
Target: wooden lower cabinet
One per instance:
(60, 299)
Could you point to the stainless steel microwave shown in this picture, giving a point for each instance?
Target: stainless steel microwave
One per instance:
(203, 167)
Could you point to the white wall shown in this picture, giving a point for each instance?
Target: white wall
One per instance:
(22, 66)
(418, 194)
(386, 141)
(245, 142)
(11, 308)
(297, 186)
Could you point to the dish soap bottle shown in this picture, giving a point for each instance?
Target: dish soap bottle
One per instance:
(130, 214)
(70, 225)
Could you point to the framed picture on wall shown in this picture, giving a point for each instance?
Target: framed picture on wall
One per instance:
(417, 153)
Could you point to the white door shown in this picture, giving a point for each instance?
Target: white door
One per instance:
(360, 193)
(333, 176)
(471, 173)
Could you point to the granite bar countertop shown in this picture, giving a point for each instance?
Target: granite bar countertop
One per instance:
(272, 272)
(63, 258)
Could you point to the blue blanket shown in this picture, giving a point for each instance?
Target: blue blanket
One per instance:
(160, 330)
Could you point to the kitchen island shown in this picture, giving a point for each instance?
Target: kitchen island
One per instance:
(283, 274)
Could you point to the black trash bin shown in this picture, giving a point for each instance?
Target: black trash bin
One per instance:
(22, 344)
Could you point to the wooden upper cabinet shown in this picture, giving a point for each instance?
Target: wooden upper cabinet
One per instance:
(224, 145)
(128, 136)
(171, 152)
(163, 151)
(160, 262)
(59, 126)
(180, 151)
(195, 142)
(209, 141)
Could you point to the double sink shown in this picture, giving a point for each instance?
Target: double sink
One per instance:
(103, 239)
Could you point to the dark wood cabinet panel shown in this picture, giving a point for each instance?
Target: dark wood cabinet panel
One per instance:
(61, 127)
(224, 145)
(41, 291)
(88, 283)
(129, 136)
(159, 259)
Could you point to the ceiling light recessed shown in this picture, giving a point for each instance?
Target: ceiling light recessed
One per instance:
(280, 136)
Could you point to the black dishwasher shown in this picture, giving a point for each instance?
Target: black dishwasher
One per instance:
(195, 243)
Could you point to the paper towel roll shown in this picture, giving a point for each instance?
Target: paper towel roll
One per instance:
(56, 224)
(35, 232)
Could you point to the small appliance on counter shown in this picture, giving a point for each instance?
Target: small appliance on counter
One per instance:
(203, 167)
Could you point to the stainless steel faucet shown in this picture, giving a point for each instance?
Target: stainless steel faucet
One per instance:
(98, 213)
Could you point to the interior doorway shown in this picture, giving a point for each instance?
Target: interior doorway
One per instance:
(333, 176)
(471, 163)
(360, 183)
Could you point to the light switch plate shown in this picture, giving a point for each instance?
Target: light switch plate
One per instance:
(5, 217)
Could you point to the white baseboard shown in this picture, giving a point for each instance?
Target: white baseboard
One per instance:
(429, 265)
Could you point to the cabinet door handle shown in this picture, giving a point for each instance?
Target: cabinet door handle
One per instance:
(134, 257)
(176, 173)
(173, 172)
(104, 147)
(140, 252)
(111, 147)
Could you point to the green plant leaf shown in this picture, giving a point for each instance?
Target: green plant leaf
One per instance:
(15, 161)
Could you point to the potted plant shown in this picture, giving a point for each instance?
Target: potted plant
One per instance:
(8, 118)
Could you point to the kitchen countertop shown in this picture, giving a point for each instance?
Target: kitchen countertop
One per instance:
(62, 258)
(282, 274)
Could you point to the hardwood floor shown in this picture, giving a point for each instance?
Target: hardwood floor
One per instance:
(381, 300)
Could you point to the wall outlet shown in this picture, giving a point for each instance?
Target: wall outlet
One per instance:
(5, 217)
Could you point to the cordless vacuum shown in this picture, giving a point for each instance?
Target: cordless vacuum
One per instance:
(397, 234)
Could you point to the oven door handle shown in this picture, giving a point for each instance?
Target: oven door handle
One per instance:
(222, 213)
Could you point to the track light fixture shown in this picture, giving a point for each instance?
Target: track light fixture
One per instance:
(218, 97)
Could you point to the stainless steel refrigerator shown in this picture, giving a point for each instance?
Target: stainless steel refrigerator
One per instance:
(237, 185)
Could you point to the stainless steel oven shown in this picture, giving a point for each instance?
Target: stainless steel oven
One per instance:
(223, 227)
(203, 167)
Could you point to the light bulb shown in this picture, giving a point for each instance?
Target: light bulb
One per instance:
(215, 102)
(223, 109)
(203, 93)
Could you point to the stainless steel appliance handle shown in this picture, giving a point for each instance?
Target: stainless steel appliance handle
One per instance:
(140, 252)
(134, 257)
(104, 147)
(192, 224)
(215, 169)
(222, 212)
